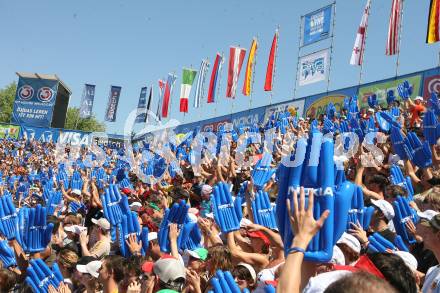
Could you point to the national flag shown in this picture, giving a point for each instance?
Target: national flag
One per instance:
(167, 94)
(216, 69)
(200, 85)
(188, 76)
(150, 101)
(236, 57)
(159, 102)
(394, 27)
(248, 77)
(357, 55)
(271, 63)
(433, 34)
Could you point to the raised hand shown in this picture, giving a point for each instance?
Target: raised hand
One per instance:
(177, 214)
(7, 255)
(390, 97)
(431, 127)
(34, 231)
(372, 101)
(400, 145)
(405, 90)
(63, 178)
(421, 153)
(40, 276)
(227, 213)
(54, 201)
(314, 168)
(331, 111)
(356, 212)
(130, 234)
(262, 171)
(110, 205)
(434, 103)
(8, 216)
(403, 214)
(397, 178)
(264, 213)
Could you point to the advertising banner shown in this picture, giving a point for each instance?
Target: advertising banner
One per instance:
(39, 133)
(431, 83)
(74, 137)
(34, 101)
(142, 106)
(317, 105)
(316, 25)
(381, 88)
(213, 126)
(85, 110)
(313, 67)
(9, 131)
(248, 118)
(112, 105)
(297, 106)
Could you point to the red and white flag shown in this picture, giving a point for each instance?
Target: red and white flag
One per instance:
(236, 57)
(394, 27)
(357, 56)
(271, 63)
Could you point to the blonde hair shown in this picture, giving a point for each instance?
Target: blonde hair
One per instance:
(68, 259)
(220, 258)
(433, 198)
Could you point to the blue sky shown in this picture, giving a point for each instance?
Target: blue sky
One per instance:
(134, 43)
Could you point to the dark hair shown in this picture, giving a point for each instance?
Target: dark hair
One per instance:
(350, 255)
(133, 264)
(395, 271)
(361, 282)
(56, 223)
(380, 180)
(242, 273)
(7, 280)
(392, 191)
(115, 264)
(176, 285)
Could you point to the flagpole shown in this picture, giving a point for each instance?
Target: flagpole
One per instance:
(400, 40)
(171, 96)
(298, 55)
(361, 69)
(275, 64)
(331, 46)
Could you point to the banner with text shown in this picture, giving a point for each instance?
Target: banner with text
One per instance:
(317, 104)
(39, 133)
(34, 101)
(112, 105)
(142, 106)
(316, 25)
(74, 137)
(85, 111)
(313, 67)
(9, 131)
(294, 107)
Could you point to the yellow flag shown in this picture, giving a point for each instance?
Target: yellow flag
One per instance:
(247, 86)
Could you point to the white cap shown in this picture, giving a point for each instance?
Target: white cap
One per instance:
(91, 268)
(350, 241)
(418, 98)
(408, 259)
(76, 191)
(102, 222)
(338, 257)
(385, 207)
(427, 215)
(75, 229)
(152, 236)
(135, 206)
(244, 222)
(250, 269)
(210, 216)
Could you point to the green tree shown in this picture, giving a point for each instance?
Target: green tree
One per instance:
(7, 97)
(73, 121)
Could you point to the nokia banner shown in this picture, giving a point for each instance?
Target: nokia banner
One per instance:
(85, 110)
(112, 105)
(34, 101)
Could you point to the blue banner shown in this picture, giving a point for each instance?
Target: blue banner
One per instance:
(317, 25)
(112, 105)
(39, 133)
(34, 101)
(75, 137)
(85, 111)
(142, 106)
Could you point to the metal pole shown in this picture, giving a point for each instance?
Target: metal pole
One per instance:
(331, 46)
(365, 47)
(298, 55)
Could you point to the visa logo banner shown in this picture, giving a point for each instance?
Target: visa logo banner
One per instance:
(75, 138)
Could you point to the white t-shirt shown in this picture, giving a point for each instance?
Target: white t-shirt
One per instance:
(319, 283)
(432, 280)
